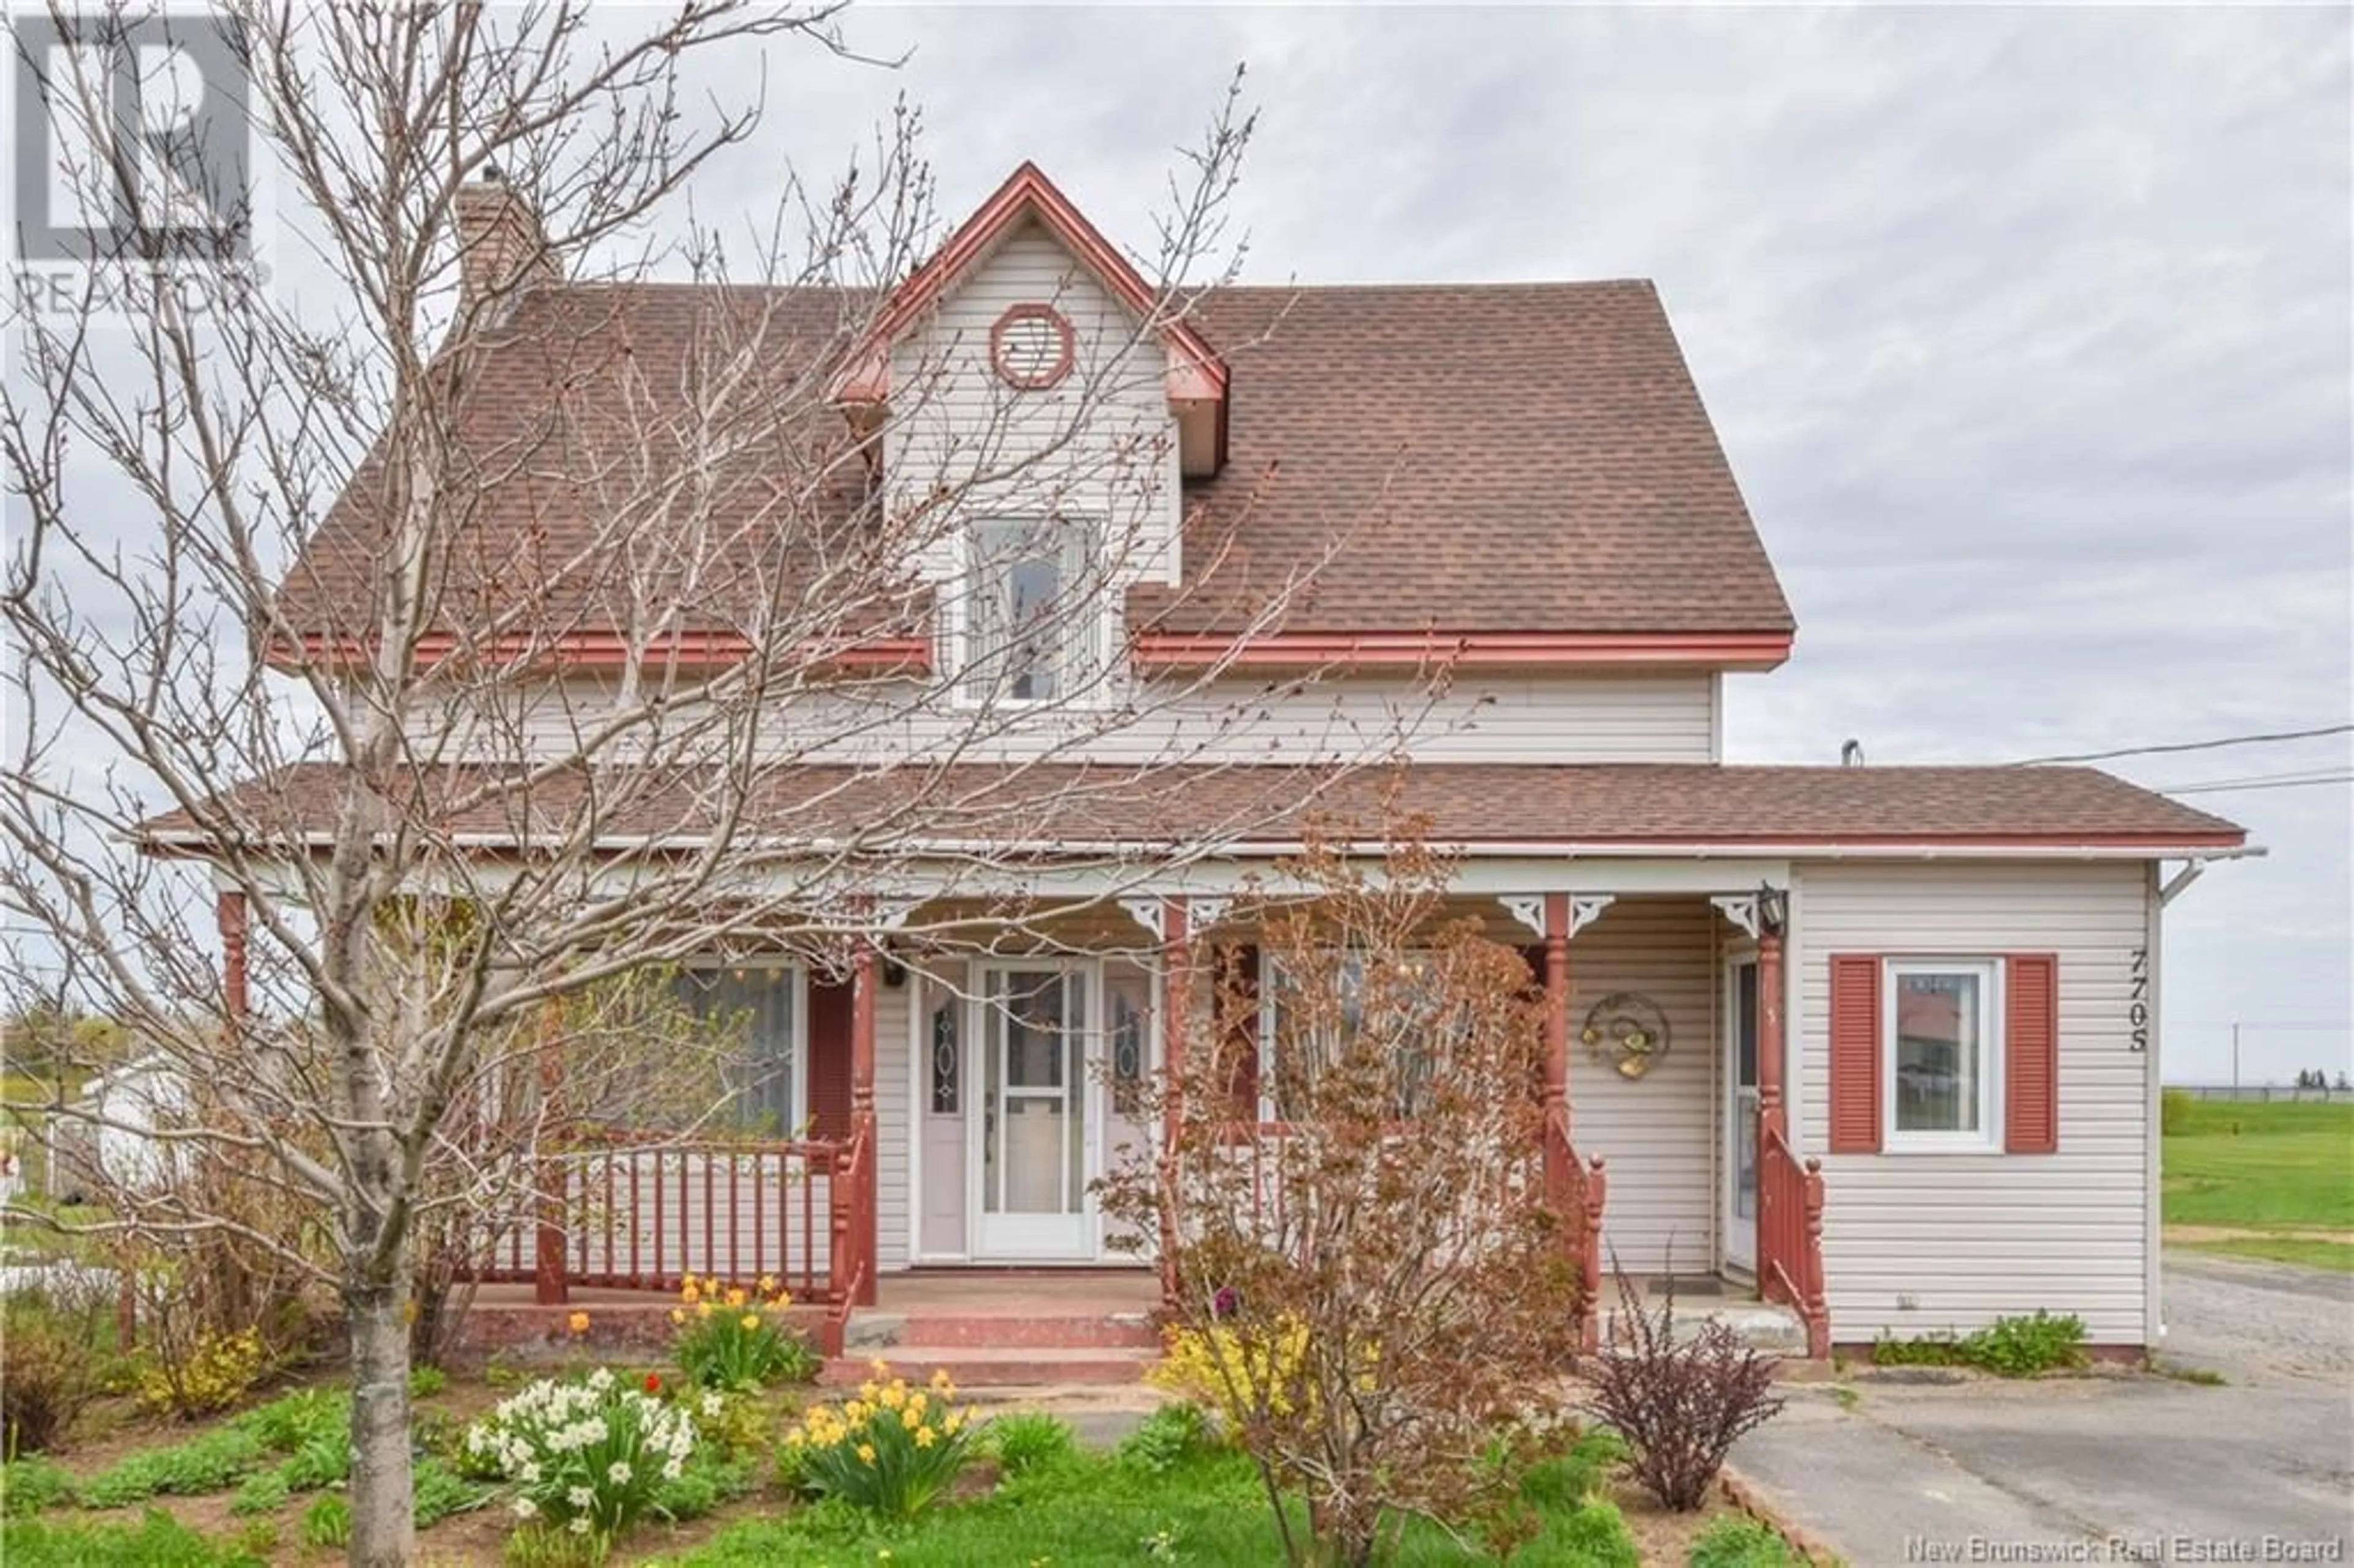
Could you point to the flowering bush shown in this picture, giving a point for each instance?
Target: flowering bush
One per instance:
(587, 1457)
(212, 1374)
(891, 1450)
(1240, 1372)
(736, 1338)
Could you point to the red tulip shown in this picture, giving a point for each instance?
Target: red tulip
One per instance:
(654, 1383)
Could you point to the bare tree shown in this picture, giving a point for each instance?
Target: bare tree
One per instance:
(495, 623)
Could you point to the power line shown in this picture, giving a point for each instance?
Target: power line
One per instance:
(2190, 746)
(2244, 788)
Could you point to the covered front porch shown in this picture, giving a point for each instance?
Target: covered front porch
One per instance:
(955, 1090)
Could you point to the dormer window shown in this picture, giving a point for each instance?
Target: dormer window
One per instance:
(1034, 612)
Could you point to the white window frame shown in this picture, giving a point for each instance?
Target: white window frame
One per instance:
(1270, 971)
(1082, 679)
(1988, 1137)
(798, 1121)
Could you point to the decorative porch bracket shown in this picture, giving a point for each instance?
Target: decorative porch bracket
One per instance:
(1583, 909)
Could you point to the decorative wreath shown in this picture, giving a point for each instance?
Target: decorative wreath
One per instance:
(1627, 1031)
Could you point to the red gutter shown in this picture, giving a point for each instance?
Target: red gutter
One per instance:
(1744, 649)
(610, 650)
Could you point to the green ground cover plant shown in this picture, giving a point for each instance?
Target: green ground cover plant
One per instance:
(155, 1540)
(1736, 1542)
(2009, 1347)
(1144, 1503)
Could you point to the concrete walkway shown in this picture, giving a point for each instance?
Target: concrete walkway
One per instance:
(2137, 1467)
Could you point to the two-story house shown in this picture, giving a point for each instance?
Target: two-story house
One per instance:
(1877, 1042)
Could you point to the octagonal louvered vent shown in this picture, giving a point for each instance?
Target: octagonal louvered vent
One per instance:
(1030, 346)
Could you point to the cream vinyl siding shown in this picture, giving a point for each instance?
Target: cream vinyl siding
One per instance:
(1655, 1134)
(1101, 443)
(891, 1125)
(1600, 717)
(1915, 1244)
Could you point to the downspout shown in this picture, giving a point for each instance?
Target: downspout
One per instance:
(2153, 1222)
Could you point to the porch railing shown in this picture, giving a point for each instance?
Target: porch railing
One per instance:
(1790, 1235)
(1577, 1191)
(636, 1211)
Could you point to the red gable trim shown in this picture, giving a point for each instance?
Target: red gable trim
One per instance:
(1196, 371)
(607, 650)
(1745, 649)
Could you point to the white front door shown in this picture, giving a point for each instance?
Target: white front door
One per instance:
(1029, 1147)
(1741, 1118)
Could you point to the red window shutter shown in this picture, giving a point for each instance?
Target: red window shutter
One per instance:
(1238, 986)
(1855, 1052)
(2030, 1053)
(829, 1048)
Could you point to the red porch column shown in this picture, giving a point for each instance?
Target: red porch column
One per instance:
(864, 979)
(229, 913)
(550, 1288)
(1770, 1114)
(1176, 993)
(1558, 1174)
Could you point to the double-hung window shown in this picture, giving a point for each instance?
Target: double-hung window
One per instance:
(1942, 1030)
(1034, 610)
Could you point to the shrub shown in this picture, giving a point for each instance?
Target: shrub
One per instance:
(48, 1374)
(1238, 1371)
(210, 1462)
(737, 1337)
(210, 1374)
(890, 1451)
(1030, 1440)
(1735, 1541)
(2173, 1112)
(1680, 1405)
(29, 1486)
(587, 1456)
(424, 1383)
(1596, 1536)
(1166, 1438)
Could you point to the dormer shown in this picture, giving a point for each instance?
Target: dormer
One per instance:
(1032, 343)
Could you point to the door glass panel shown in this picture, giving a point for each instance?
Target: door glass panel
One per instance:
(1745, 1154)
(1745, 1093)
(1745, 1003)
(1034, 1144)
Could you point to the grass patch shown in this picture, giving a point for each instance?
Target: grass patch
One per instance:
(2009, 1347)
(2336, 1257)
(1089, 1511)
(2231, 1162)
(210, 1462)
(1735, 1541)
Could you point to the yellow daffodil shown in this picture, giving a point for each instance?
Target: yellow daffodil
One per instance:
(689, 1293)
(879, 1367)
(748, 1321)
(866, 1453)
(677, 1316)
(735, 1296)
(768, 1284)
(577, 1323)
(870, 1391)
(911, 1418)
(794, 1439)
(895, 1396)
(916, 1401)
(924, 1438)
(943, 1383)
(953, 1424)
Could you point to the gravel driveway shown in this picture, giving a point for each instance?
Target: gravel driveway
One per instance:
(2118, 1468)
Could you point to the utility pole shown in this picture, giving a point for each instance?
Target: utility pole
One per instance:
(2236, 1059)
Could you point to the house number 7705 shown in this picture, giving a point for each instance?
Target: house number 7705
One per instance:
(2137, 1010)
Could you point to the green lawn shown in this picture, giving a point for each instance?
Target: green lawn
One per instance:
(2261, 1166)
(1098, 1510)
(2337, 1257)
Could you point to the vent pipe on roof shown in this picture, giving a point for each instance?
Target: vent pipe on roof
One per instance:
(1851, 754)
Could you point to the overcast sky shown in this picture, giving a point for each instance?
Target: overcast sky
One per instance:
(2027, 332)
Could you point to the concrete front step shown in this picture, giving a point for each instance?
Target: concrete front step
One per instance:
(1766, 1327)
(999, 1366)
(871, 1331)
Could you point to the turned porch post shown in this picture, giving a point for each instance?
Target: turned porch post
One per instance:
(1557, 1172)
(229, 912)
(863, 980)
(1771, 1117)
(1176, 995)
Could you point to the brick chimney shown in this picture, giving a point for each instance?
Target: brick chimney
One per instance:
(502, 249)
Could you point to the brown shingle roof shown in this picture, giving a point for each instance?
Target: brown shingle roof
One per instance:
(1520, 457)
(1602, 805)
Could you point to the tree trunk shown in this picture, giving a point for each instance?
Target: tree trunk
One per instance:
(383, 1525)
